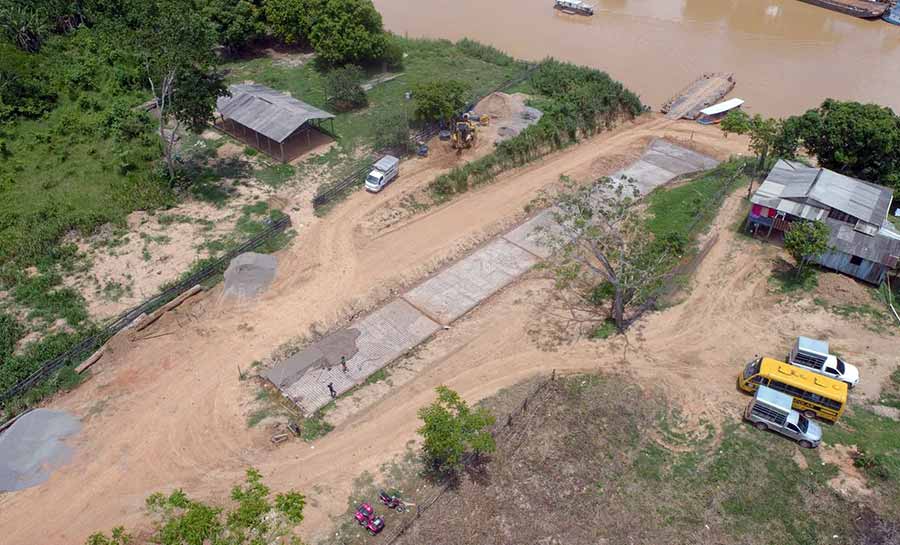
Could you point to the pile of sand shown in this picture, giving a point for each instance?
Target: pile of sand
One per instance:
(508, 113)
(249, 274)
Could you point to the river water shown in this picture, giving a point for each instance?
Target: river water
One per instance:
(787, 56)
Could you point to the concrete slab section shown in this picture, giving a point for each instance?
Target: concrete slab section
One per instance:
(458, 289)
(672, 164)
(370, 344)
(528, 236)
(646, 176)
(32, 447)
(702, 162)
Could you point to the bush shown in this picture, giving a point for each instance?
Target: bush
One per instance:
(485, 53)
(346, 31)
(440, 100)
(342, 86)
(393, 52)
(10, 333)
(393, 131)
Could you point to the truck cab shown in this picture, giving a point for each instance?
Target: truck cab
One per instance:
(771, 410)
(382, 173)
(813, 354)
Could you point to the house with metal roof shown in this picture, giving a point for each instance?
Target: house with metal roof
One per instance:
(260, 114)
(864, 244)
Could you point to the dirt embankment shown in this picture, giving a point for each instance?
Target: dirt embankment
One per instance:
(170, 411)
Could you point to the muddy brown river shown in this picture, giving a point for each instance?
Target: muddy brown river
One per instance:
(786, 55)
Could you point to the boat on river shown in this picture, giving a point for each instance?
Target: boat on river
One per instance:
(865, 9)
(892, 16)
(575, 7)
(715, 114)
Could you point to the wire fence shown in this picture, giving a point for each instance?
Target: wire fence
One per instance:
(90, 344)
(356, 178)
(508, 432)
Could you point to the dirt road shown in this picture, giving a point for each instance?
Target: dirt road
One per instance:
(171, 411)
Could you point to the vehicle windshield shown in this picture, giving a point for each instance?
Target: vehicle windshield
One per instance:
(751, 369)
(372, 178)
(803, 424)
(840, 366)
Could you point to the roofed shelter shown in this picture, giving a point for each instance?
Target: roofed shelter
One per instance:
(272, 119)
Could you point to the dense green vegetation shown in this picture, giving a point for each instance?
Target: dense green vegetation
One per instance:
(576, 102)
(859, 140)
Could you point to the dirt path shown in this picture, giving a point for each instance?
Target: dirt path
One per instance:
(170, 411)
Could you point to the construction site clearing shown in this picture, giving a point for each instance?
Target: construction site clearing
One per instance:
(177, 399)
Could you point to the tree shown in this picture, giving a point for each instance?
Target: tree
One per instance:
(342, 86)
(393, 130)
(180, 520)
(604, 251)
(183, 74)
(450, 428)
(806, 240)
(347, 31)
(440, 100)
(860, 140)
(291, 20)
(764, 133)
(236, 23)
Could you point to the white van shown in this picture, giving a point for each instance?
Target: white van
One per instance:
(383, 171)
(813, 354)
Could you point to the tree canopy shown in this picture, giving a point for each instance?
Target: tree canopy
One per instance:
(439, 100)
(450, 428)
(236, 23)
(805, 241)
(859, 140)
(342, 87)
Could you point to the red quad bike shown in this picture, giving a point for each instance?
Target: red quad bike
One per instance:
(375, 525)
(392, 501)
(364, 514)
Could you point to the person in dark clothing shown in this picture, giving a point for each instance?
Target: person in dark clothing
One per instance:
(344, 363)
(331, 390)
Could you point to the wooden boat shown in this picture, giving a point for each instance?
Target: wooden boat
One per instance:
(714, 114)
(576, 7)
(865, 9)
(893, 15)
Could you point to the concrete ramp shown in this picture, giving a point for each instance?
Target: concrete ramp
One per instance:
(387, 333)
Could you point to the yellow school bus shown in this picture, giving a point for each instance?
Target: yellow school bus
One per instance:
(814, 395)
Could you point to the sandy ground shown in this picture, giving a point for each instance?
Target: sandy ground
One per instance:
(170, 411)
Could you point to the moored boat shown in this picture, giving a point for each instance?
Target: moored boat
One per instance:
(865, 9)
(576, 7)
(892, 16)
(714, 114)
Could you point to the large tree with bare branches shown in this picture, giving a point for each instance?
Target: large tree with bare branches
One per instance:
(175, 45)
(606, 263)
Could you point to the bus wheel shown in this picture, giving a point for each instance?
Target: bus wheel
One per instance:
(809, 414)
(805, 444)
(761, 426)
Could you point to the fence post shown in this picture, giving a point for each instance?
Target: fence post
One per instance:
(553, 375)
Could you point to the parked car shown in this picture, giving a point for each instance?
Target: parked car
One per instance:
(383, 172)
(813, 354)
(771, 410)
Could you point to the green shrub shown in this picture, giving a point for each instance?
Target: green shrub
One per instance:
(393, 130)
(10, 333)
(342, 86)
(485, 53)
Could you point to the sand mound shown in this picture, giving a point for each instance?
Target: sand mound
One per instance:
(249, 274)
(508, 113)
(497, 106)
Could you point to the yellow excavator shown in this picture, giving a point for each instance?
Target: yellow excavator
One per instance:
(463, 133)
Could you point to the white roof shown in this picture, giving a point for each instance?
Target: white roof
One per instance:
(722, 107)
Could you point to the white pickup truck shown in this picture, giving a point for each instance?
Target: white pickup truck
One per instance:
(813, 354)
(383, 171)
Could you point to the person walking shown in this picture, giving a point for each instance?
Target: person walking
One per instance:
(331, 390)
(344, 363)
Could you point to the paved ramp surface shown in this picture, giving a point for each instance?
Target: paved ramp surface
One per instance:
(389, 332)
(32, 447)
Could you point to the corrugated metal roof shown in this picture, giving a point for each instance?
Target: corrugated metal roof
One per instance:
(266, 111)
(878, 248)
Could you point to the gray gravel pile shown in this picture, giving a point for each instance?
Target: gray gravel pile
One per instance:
(33, 447)
(249, 274)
